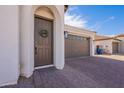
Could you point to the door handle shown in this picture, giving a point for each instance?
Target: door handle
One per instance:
(35, 50)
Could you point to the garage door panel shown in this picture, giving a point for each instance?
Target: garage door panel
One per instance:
(77, 46)
(115, 47)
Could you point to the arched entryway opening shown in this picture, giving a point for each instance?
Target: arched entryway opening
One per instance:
(43, 37)
(27, 49)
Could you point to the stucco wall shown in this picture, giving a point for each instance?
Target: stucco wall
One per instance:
(9, 44)
(104, 43)
(82, 32)
(17, 41)
(44, 12)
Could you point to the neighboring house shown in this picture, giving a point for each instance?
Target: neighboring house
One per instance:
(109, 45)
(32, 37)
(78, 42)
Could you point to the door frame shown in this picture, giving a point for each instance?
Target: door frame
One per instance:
(52, 42)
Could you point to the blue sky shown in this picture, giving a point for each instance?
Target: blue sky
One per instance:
(105, 20)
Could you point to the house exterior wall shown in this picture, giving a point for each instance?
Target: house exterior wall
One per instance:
(9, 44)
(82, 32)
(104, 43)
(17, 41)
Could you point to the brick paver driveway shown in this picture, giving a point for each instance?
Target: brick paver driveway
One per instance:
(98, 71)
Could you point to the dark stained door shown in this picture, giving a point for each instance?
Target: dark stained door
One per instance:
(77, 46)
(43, 42)
(115, 47)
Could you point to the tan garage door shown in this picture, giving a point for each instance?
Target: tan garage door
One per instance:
(77, 46)
(115, 47)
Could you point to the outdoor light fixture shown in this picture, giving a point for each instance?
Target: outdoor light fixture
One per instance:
(66, 34)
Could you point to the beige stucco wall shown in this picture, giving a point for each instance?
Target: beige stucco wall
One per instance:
(105, 43)
(9, 44)
(44, 12)
(82, 32)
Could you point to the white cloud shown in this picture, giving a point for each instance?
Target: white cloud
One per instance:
(109, 19)
(96, 26)
(75, 20)
(81, 22)
(99, 25)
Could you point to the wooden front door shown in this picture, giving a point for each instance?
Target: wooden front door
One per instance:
(43, 42)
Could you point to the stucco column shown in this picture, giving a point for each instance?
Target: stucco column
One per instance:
(111, 46)
(92, 48)
(26, 38)
(59, 60)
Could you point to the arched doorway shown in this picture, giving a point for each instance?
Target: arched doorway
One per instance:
(43, 37)
(27, 36)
